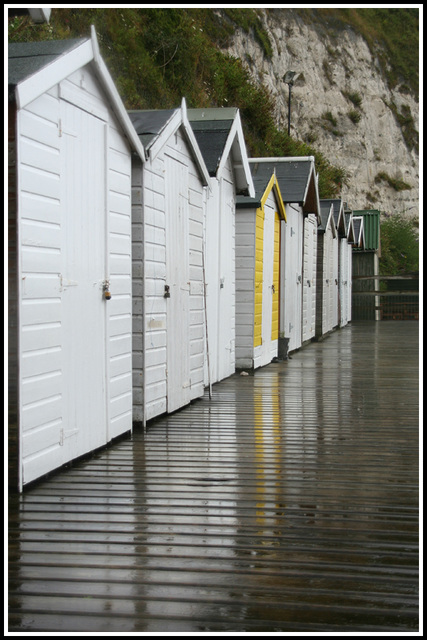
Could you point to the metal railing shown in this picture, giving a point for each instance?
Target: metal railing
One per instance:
(397, 297)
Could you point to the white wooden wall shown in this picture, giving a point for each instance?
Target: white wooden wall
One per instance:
(309, 278)
(220, 276)
(335, 282)
(171, 330)
(293, 272)
(330, 281)
(245, 292)
(74, 229)
(343, 282)
(350, 279)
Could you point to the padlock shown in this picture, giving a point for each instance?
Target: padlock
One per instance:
(107, 295)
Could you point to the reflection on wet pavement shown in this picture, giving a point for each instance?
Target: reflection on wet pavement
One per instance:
(287, 502)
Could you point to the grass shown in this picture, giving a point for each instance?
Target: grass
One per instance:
(156, 56)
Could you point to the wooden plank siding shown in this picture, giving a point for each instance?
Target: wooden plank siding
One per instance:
(168, 332)
(275, 506)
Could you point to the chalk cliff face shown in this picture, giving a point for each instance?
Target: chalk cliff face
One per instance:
(342, 106)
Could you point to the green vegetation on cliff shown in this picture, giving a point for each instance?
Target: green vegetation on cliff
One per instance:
(158, 55)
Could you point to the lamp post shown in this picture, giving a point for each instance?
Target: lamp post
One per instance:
(288, 78)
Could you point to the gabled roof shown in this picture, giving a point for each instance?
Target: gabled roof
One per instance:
(349, 227)
(155, 127)
(263, 184)
(359, 234)
(219, 134)
(338, 211)
(35, 67)
(150, 124)
(327, 217)
(371, 228)
(296, 177)
(27, 58)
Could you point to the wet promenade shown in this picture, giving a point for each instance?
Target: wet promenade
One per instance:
(286, 503)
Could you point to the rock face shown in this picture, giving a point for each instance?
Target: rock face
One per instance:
(342, 106)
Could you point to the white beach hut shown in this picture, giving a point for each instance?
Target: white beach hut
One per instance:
(347, 241)
(327, 272)
(220, 138)
(169, 321)
(70, 142)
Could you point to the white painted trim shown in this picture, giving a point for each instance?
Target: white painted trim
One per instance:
(66, 64)
(171, 126)
(310, 177)
(39, 15)
(237, 131)
(193, 142)
(46, 78)
(117, 104)
(282, 159)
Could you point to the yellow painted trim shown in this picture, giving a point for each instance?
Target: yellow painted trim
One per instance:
(272, 182)
(276, 279)
(259, 267)
(281, 204)
(259, 260)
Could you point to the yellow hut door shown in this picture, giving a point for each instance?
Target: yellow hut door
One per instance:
(276, 285)
(267, 267)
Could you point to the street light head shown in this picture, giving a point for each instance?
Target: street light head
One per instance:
(289, 76)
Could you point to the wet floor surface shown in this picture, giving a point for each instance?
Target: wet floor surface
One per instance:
(286, 503)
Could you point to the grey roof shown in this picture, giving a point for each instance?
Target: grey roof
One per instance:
(150, 124)
(211, 128)
(347, 218)
(337, 205)
(261, 176)
(357, 224)
(26, 58)
(325, 209)
(211, 137)
(293, 178)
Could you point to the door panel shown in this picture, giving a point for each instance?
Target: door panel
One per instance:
(178, 280)
(84, 271)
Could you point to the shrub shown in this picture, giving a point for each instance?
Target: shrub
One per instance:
(399, 246)
(354, 116)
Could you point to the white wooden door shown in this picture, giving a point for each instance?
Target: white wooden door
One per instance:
(178, 281)
(309, 278)
(84, 272)
(335, 302)
(293, 278)
(264, 353)
(343, 280)
(330, 285)
(226, 282)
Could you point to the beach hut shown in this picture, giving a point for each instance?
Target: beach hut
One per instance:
(169, 321)
(258, 259)
(343, 262)
(70, 146)
(359, 232)
(298, 185)
(346, 243)
(220, 138)
(327, 272)
(365, 304)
